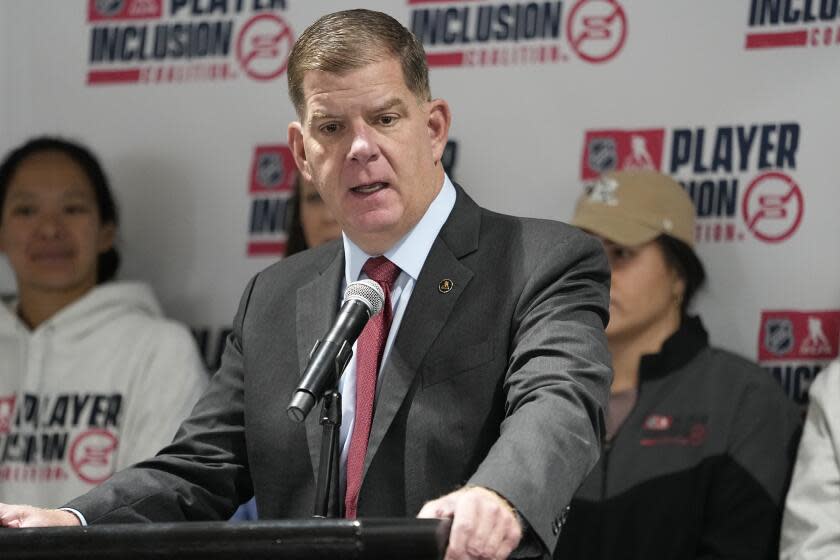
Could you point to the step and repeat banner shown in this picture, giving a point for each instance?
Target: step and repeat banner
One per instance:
(185, 102)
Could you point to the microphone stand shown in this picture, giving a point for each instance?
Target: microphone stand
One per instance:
(328, 502)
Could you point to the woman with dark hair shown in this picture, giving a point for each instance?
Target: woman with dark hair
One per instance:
(698, 441)
(92, 377)
(310, 222)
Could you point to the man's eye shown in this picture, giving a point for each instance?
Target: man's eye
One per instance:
(329, 128)
(76, 209)
(387, 120)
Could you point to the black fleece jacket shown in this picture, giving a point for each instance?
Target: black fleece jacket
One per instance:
(700, 467)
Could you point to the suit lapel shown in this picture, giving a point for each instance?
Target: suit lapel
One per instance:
(426, 314)
(316, 309)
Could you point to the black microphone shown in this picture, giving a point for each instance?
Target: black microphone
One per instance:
(329, 357)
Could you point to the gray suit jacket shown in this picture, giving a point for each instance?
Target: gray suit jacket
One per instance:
(499, 382)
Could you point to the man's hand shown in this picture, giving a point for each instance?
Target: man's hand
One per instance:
(484, 524)
(28, 516)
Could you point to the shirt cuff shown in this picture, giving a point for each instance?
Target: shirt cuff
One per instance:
(78, 514)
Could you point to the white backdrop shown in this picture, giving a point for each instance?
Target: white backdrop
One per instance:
(180, 154)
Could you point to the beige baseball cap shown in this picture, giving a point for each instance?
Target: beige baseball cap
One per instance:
(633, 207)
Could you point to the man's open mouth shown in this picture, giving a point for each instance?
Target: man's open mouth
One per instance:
(370, 188)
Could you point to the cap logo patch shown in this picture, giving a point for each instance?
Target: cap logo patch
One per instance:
(602, 191)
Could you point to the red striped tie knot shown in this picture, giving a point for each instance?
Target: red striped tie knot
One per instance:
(381, 270)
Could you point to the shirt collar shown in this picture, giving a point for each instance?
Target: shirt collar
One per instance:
(409, 253)
(679, 349)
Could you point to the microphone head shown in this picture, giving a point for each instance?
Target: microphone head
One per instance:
(368, 292)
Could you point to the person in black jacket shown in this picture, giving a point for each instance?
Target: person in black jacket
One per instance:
(699, 442)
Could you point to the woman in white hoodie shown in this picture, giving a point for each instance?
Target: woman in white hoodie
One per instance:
(92, 377)
(811, 524)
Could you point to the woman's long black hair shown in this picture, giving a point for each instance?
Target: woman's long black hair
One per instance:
(684, 260)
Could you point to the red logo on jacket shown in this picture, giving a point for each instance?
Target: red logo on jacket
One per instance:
(658, 423)
(682, 431)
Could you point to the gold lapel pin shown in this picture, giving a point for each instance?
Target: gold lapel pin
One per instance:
(445, 285)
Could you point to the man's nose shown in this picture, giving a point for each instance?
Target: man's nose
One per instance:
(363, 148)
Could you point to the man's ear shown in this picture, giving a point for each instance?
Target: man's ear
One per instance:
(298, 151)
(438, 124)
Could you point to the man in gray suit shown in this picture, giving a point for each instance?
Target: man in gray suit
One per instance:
(490, 372)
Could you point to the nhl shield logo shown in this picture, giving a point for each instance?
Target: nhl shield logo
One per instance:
(603, 154)
(270, 170)
(109, 8)
(778, 336)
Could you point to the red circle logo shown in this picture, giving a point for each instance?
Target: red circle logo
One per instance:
(263, 46)
(772, 207)
(597, 29)
(92, 455)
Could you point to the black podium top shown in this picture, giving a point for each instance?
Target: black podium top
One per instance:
(403, 539)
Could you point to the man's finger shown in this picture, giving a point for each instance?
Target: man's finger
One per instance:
(437, 509)
(509, 533)
(510, 541)
(464, 525)
(17, 516)
(9, 516)
(486, 537)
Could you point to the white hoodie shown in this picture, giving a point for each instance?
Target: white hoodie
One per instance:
(102, 384)
(811, 523)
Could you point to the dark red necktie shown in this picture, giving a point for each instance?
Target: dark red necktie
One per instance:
(369, 350)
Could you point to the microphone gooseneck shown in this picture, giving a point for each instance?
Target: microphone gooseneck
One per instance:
(362, 300)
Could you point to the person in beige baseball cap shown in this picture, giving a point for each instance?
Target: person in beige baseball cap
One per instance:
(645, 217)
(695, 456)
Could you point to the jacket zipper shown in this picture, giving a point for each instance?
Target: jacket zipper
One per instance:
(607, 446)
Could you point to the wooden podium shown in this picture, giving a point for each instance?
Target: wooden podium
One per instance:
(365, 539)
